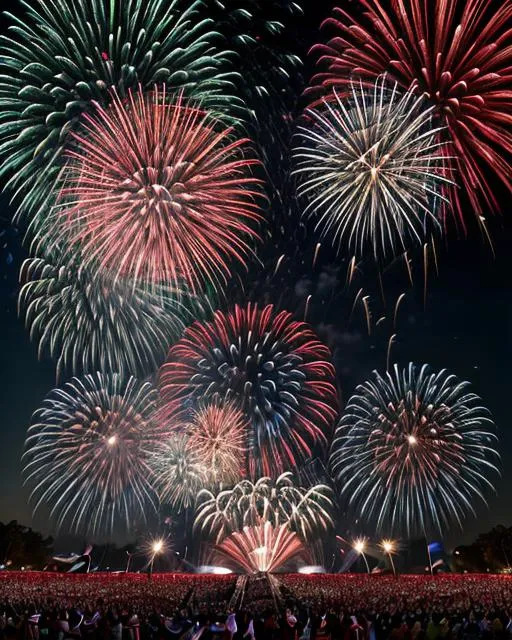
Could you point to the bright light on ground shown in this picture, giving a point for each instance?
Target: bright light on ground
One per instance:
(309, 570)
(218, 571)
(221, 571)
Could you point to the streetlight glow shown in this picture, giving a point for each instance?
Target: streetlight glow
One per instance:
(388, 546)
(359, 546)
(158, 545)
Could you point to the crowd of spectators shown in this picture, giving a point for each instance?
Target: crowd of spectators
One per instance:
(53, 606)
(35, 606)
(366, 607)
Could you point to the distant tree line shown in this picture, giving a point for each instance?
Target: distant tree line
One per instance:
(490, 552)
(21, 546)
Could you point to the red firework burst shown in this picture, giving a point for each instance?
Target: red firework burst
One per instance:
(158, 191)
(458, 52)
(274, 367)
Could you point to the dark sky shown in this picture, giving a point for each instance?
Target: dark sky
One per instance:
(465, 328)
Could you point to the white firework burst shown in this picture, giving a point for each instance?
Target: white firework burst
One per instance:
(86, 453)
(372, 168)
(178, 472)
(414, 451)
(281, 501)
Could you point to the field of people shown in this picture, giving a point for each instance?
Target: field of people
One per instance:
(289, 606)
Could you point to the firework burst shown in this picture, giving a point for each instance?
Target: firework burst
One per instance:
(178, 472)
(413, 450)
(261, 548)
(88, 323)
(372, 169)
(86, 453)
(281, 502)
(275, 367)
(217, 436)
(459, 54)
(158, 192)
(64, 55)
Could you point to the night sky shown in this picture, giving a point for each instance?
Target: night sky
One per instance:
(465, 327)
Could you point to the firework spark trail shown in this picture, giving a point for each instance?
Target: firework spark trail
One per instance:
(90, 324)
(218, 436)
(413, 450)
(306, 510)
(177, 471)
(269, 74)
(261, 548)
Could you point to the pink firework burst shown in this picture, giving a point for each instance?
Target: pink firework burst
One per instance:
(155, 190)
(261, 548)
(274, 367)
(457, 52)
(217, 436)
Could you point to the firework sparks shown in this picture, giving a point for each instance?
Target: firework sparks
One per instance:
(65, 55)
(459, 54)
(158, 192)
(371, 168)
(270, 78)
(281, 502)
(217, 436)
(86, 453)
(88, 323)
(275, 367)
(177, 471)
(262, 548)
(413, 450)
